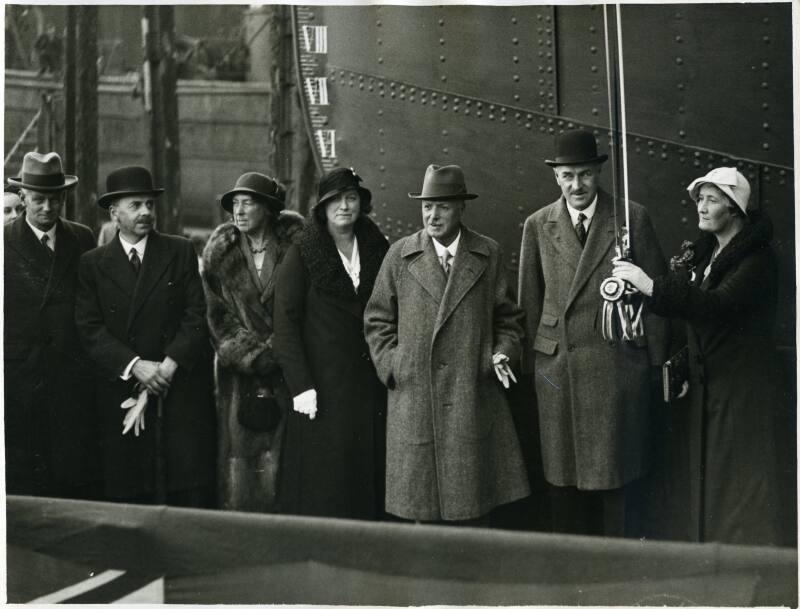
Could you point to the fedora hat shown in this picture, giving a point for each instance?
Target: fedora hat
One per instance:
(340, 180)
(576, 147)
(443, 183)
(128, 180)
(42, 172)
(254, 183)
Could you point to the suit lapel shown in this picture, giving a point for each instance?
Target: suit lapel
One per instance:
(562, 234)
(598, 242)
(426, 268)
(116, 267)
(157, 257)
(24, 242)
(469, 264)
(66, 255)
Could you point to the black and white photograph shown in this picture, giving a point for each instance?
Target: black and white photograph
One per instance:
(370, 304)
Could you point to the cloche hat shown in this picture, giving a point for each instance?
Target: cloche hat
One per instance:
(730, 181)
(265, 187)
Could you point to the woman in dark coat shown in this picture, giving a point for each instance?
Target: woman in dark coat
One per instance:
(335, 442)
(725, 287)
(240, 263)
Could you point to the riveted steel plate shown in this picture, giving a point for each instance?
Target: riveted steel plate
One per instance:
(389, 113)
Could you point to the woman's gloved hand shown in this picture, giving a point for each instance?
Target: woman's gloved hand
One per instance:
(306, 403)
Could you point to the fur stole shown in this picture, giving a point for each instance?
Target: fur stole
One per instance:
(222, 256)
(325, 269)
(754, 236)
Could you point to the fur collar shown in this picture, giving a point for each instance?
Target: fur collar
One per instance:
(325, 269)
(222, 256)
(754, 236)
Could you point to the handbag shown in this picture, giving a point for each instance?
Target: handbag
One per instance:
(259, 411)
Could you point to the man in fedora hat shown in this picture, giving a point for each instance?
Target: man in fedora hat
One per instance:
(141, 316)
(51, 439)
(593, 398)
(443, 330)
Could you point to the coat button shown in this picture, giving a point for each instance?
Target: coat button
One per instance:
(365, 356)
(442, 365)
(570, 347)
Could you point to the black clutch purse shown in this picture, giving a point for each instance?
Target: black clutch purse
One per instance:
(259, 411)
(676, 373)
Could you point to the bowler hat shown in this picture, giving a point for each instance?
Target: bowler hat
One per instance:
(576, 147)
(443, 183)
(254, 183)
(340, 180)
(125, 181)
(43, 172)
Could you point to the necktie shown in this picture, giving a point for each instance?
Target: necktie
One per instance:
(136, 263)
(45, 241)
(445, 260)
(580, 229)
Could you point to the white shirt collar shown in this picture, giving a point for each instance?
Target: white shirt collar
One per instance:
(139, 247)
(352, 266)
(51, 234)
(588, 212)
(452, 248)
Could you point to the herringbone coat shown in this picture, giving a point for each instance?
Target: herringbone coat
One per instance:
(452, 450)
(594, 399)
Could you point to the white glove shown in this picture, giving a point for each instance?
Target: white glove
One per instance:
(306, 403)
(502, 369)
(134, 418)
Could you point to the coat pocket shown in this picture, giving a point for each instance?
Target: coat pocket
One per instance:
(545, 345)
(551, 321)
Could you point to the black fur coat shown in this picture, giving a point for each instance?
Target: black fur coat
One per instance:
(740, 457)
(241, 327)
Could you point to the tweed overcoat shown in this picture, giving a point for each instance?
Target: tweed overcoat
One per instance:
(240, 321)
(161, 312)
(452, 450)
(594, 399)
(50, 425)
(742, 414)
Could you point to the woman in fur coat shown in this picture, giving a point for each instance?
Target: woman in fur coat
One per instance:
(240, 263)
(725, 287)
(335, 441)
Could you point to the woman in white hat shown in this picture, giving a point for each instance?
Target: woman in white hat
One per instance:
(725, 286)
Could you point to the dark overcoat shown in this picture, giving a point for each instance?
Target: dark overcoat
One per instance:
(240, 320)
(161, 312)
(333, 464)
(452, 450)
(594, 398)
(742, 465)
(51, 429)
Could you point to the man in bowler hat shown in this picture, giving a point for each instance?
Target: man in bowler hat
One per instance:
(141, 316)
(594, 398)
(51, 437)
(444, 332)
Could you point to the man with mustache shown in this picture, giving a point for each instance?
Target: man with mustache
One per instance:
(51, 440)
(594, 398)
(141, 316)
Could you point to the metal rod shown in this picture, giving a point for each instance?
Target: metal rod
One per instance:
(624, 127)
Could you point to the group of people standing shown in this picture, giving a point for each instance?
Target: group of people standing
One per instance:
(354, 378)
